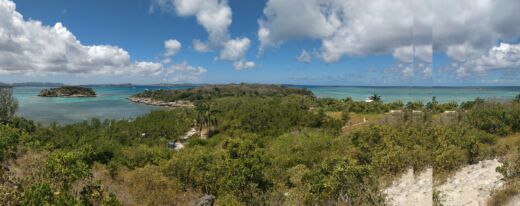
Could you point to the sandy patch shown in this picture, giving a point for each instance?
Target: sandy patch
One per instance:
(471, 185)
(411, 189)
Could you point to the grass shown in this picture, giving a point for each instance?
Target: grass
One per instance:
(504, 195)
(506, 149)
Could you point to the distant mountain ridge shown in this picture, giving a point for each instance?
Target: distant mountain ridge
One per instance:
(37, 84)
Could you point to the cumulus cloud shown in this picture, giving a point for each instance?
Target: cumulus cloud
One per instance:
(31, 48)
(413, 53)
(216, 17)
(172, 47)
(235, 49)
(407, 72)
(213, 15)
(353, 27)
(200, 46)
(186, 69)
(183, 72)
(304, 57)
(502, 57)
(241, 65)
(466, 30)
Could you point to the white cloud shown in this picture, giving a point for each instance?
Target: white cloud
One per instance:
(241, 65)
(235, 49)
(289, 19)
(185, 69)
(215, 16)
(172, 47)
(200, 46)
(413, 53)
(31, 48)
(183, 72)
(353, 27)
(502, 57)
(427, 72)
(407, 72)
(304, 57)
(409, 30)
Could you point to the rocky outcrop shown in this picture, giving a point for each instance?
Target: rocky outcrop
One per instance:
(150, 101)
(206, 200)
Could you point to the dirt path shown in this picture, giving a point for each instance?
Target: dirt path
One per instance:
(411, 189)
(179, 144)
(471, 185)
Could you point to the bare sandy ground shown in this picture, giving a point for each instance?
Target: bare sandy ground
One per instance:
(471, 185)
(515, 201)
(411, 189)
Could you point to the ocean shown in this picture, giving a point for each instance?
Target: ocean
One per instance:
(111, 102)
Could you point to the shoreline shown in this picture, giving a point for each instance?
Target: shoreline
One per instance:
(151, 102)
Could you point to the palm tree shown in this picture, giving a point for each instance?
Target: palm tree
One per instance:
(206, 117)
(375, 98)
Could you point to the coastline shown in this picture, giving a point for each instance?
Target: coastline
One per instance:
(71, 96)
(151, 102)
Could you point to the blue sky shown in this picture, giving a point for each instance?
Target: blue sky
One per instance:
(377, 57)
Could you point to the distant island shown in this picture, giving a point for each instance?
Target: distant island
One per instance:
(186, 97)
(37, 84)
(68, 91)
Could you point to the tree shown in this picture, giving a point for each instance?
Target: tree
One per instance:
(8, 104)
(376, 98)
(433, 105)
(206, 116)
(517, 98)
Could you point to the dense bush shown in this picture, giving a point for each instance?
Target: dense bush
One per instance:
(495, 118)
(266, 116)
(207, 92)
(9, 139)
(66, 91)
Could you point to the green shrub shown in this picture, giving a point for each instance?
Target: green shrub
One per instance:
(9, 140)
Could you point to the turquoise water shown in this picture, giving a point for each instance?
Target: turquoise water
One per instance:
(424, 94)
(111, 102)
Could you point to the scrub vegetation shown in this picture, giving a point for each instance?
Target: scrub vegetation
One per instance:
(264, 145)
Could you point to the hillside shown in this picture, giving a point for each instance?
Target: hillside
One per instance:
(207, 92)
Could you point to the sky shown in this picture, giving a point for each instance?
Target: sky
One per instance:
(311, 42)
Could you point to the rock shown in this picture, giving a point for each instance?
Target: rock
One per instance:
(152, 102)
(206, 200)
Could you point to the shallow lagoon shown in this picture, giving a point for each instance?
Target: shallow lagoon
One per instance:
(111, 102)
